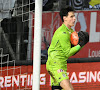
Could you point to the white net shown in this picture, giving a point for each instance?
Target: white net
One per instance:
(16, 18)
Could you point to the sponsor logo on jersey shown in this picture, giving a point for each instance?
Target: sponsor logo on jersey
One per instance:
(60, 70)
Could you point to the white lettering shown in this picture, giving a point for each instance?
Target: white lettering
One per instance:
(73, 78)
(1, 81)
(81, 20)
(94, 53)
(15, 80)
(93, 76)
(82, 78)
(87, 77)
(7, 81)
(94, 36)
(18, 80)
(31, 79)
(28, 81)
(42, 79)
(23, 79)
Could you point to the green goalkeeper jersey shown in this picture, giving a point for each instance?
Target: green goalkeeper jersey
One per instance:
(60, 48)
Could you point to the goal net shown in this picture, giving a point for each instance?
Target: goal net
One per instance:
(16, 44)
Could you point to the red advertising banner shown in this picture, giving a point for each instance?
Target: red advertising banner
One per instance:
(83, 76)
(85, 21)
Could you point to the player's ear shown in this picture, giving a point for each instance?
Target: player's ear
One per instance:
(64, 17)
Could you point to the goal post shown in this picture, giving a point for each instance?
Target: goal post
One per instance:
(37, 45)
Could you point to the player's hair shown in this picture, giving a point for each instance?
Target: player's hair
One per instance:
(64, 11)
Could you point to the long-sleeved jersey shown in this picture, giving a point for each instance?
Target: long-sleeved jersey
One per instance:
(60, 48)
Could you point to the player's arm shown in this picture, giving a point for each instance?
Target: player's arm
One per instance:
(64, 40)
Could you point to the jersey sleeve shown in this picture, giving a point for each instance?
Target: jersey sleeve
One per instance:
(64, 40)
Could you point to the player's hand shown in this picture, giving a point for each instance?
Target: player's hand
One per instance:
(83, 38)
(86, 37)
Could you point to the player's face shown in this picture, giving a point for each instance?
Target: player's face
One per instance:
(70, 19)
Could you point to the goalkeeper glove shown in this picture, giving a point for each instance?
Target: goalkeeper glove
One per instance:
(83, 38)
(86, 37)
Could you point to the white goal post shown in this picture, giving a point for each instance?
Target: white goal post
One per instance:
(37, 45)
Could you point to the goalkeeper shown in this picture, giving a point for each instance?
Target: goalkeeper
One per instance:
(60, 50)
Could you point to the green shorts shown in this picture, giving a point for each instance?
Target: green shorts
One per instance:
(57, 74)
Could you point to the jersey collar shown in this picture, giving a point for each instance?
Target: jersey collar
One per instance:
(66, 27)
